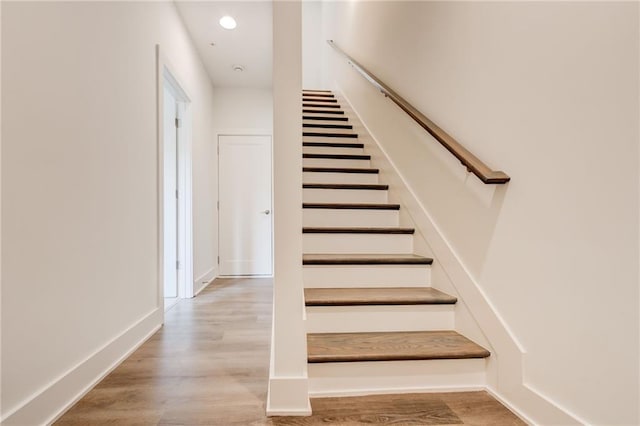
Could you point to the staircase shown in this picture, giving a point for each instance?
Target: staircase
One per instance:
(374, 323)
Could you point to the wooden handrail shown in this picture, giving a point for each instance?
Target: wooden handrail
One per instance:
(472, 163)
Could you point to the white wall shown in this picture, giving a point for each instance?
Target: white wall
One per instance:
(548, 92)
(312, 45)
(242, 110)
(79, 190)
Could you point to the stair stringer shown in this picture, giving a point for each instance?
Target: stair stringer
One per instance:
(475, 315)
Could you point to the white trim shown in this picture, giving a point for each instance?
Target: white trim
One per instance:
(170, 302)
(160, 60)
(49, 403)
(205, 280)
(509, 405)
(290, 412)
(1, 203)
(288, 396)
(508, 354)
(185, 201)
(385, 391)
(165, 72)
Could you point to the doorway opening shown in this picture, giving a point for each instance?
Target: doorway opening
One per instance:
(175, 190)
(245, 205)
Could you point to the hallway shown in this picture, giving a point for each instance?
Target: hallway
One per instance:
(209, 365)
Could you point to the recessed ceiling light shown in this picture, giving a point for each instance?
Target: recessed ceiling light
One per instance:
(227, 22)
(238, 68)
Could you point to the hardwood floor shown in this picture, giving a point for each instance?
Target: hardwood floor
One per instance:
(209, 366)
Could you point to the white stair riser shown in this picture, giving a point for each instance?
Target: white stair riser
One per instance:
(308, 129)
(314, 98)
(340, 217)
(325, 123)
(348, 319)
(334, 162)
(318, 195)
(319, 108)
(357, 243)
(329, 139)
(344, 133)
(380, 377)
(331, 150)
(327, 276)
(322, 177)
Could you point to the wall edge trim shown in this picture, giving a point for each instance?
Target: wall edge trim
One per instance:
(208, 276)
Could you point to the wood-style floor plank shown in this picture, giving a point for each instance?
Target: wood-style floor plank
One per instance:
(407, 409)
(209, 365)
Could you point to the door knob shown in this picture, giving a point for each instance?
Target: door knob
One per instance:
(266, 211)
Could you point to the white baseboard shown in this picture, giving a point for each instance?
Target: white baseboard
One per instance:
(530, 400)
(396, 391)
(52, 401)
(204, 280)
(288, 396)
(515, 410)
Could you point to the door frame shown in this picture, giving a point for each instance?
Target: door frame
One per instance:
(166, 75)
(247, 133)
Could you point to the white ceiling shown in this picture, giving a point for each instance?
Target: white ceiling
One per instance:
(249, 44)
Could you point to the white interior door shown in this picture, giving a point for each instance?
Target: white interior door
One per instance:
(245, 205)
(170, 196)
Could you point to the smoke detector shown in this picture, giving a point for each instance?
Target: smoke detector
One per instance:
(238, 68)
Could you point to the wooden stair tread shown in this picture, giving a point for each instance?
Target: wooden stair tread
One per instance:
(364, 259)
(339, 156)
(357, 230)
(376, 296)
(391, 346)
(311, 98)
(316, 91)
(322, 118)
(351, 206)
(318, 96)
(330, 125)
(320, 105)
(356, 186)
(340, 170)
(334, 144)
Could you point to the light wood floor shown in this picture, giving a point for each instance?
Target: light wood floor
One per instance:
(209, 366)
